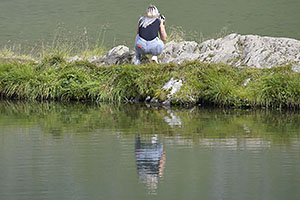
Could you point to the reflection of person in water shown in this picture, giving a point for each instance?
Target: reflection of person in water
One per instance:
(150, 160)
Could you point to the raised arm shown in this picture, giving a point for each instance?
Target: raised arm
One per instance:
(138, 28)
(162, 31)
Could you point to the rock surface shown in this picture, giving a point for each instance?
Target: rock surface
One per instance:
(179, 52)
(171, 87)
(251, 51)
(118, 55)
(237, 50)
(73, 59)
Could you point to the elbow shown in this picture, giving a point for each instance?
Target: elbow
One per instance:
(164, 37)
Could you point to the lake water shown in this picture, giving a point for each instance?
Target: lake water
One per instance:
(77, 151)
(31, 21)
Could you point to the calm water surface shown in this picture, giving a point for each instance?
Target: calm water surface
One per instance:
(78, 151)
(28, 21)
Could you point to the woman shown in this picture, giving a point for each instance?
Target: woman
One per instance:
(147, 41)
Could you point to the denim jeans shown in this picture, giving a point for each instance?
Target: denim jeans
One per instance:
(143, 46)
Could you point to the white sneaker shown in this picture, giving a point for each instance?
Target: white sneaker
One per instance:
(155, 59)
(137, 62)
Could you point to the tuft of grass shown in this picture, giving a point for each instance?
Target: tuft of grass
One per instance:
(65, 44)
(78, 43)
(175, 33)
(277, 88)
(178, 34)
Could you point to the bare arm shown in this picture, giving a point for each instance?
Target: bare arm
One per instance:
(162, 31)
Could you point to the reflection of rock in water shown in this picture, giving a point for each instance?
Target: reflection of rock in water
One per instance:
(150, 161)
(173, 120)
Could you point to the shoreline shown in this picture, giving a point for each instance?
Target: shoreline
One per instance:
(234, 71)
(192, 83)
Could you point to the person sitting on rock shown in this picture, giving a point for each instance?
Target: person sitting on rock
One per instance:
(147, 41)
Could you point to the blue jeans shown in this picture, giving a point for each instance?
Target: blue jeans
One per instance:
(143, 46)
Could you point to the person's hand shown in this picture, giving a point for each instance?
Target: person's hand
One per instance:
(162, 22)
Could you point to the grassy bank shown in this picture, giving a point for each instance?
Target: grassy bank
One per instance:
(213, 84)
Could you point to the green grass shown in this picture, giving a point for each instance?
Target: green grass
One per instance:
(210, 84)
(43, 74)
(64, 44)
(67, 44)
(178, 34)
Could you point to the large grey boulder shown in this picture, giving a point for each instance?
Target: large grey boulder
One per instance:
(251, 51)
(237, 50)
(118, 55)
(179, 52)
(220, 50)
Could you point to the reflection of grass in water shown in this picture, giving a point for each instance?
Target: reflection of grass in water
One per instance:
(58, 119)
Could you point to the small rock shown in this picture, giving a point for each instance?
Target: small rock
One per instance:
(192, 99)
(73, 59)
(94, 59)
(296, 68)
(173, 85)
(148, 98)
(97, 60)
(154, 100)
(166, 102)
(246, 81)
